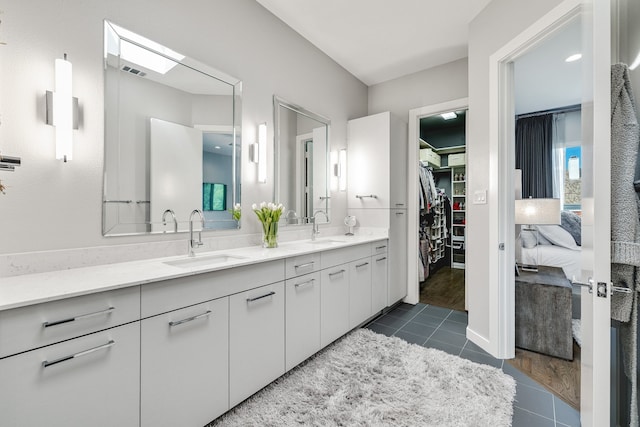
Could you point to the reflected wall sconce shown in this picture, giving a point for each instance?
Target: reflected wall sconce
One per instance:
(62, 109)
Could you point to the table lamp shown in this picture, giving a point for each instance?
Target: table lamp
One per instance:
(530, 212)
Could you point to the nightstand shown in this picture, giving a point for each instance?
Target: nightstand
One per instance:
(543, 312)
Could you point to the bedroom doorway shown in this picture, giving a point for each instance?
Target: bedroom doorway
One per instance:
(548, 157)
(595, 268)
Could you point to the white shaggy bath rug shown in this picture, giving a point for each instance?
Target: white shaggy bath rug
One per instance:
(368, 379)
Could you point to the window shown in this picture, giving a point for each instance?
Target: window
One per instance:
(214, 197)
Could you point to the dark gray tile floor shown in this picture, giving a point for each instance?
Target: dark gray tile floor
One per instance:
(444, 329)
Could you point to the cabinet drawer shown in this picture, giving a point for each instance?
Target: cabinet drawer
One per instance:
(184, 365)
(95, 388)
(173, 294)
(256, 340)
(34, 326)
(302, 264)
(343, 255)
(380, 247)
(334, 306)
(302, 318)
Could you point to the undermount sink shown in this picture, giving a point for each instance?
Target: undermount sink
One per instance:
(324, 242)
(203, 260)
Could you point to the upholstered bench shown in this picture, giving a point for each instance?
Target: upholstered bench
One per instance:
(543, 312)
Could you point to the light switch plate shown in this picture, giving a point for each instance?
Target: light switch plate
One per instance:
(480, 197)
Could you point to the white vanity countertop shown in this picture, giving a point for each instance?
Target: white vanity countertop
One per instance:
(28, 289)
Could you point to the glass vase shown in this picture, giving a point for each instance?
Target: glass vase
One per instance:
(270, 235)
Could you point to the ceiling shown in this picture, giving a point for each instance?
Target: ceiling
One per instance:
(380, 40)
(543, 79)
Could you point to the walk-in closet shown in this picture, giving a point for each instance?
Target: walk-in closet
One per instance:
(442, 214)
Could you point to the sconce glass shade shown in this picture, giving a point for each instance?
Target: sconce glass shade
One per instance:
(262, 153)
(537, 211)
(342, 170)
(63, 110)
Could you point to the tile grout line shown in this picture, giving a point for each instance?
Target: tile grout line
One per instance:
(534, 413)
(408, 321)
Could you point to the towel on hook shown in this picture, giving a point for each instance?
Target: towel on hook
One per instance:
(625, 222)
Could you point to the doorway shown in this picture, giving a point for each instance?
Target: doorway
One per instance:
(441, 211)
(415, 266)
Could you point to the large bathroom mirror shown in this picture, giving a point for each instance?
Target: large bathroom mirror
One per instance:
(172, 139)
(301, 162)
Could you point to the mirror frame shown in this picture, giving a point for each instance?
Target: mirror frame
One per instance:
(117, 228)
(280, 102)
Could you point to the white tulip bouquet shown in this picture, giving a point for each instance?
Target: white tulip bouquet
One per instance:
(269, 215)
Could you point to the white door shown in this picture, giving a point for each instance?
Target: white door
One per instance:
(595, 261)
(596, 214)
(175, 170)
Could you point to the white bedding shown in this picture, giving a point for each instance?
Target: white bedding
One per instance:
(554, 256)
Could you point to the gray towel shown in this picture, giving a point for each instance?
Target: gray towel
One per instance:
(625, 222)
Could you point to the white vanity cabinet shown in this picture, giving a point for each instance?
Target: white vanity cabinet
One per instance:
(359, 291)
(379, 277)
(302, 329)
(184, 365)
(397, 256)
(93, 380)
(72, 362)
(256, 340)
(377, 162)
(334, 308)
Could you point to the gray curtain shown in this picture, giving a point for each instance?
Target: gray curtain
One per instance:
(534, 155)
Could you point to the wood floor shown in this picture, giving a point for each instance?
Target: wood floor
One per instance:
(445, 288)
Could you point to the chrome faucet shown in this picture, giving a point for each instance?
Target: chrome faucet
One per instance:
(192, 243)
(315, 230)
(173, 216)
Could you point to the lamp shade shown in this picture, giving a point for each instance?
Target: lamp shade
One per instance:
(537, 211)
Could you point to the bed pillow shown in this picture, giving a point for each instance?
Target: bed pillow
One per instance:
(558, 236)
(543, 240)
(573, 224)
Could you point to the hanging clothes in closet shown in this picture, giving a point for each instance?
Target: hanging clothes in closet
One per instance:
(434, 220)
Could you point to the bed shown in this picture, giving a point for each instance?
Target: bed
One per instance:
(554, 246)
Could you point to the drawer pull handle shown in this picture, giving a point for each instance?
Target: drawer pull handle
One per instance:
(80, 317)
(336, 273)
(381, 247)
(399, 204)
(310, 282)
(76, 355)
(261, 296)
(191, 319)
(362, 265)
(399, 213)
(308, 264)
(381, 259)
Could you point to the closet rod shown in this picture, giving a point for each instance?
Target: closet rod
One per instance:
(567, 109)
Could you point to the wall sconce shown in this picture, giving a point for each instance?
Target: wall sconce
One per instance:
(62, 109)
(342, 170)
(262, 153)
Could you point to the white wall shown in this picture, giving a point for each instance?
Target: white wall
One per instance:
(494, 27)
(428, 87)
(50, 205)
